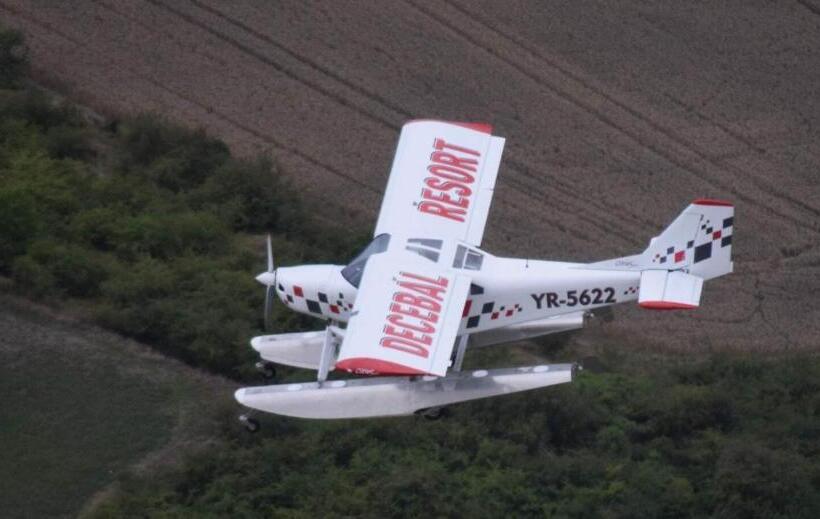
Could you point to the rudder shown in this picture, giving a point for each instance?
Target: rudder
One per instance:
(698, 240)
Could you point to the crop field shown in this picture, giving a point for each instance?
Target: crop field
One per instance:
(616, 115)
(81, 407)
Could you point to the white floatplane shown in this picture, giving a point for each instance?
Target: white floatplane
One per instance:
(405, 310)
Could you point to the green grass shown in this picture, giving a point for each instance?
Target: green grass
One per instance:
(80, 407)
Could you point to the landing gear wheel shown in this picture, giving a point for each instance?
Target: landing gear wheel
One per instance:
(267, 369)
(250, 424)
(434, 413)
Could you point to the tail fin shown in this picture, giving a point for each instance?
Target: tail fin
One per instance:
(695, 247)
(699, 240)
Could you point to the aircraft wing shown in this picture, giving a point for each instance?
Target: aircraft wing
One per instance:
(408, 312)
(442, 181)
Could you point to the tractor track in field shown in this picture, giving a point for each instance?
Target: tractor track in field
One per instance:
(529, 190)
(614, 116)
(658, 128)
(265, 137)
(684, 165)
(405, 114)
(244, 127)
(247, 129)
(562, 190)
(396, 127)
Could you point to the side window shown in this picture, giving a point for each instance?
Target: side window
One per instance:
(424, 247)
(467, 259)
(473, 261)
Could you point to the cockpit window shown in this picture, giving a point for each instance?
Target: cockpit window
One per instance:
(354, 270)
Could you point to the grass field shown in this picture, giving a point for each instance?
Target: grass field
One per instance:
(81, 407)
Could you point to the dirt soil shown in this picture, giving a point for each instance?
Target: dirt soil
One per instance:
(616, 115)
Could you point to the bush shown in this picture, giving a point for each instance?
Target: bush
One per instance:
(74, 271)
(13, 58)
(755, 481)
(20, 223)
(38, 109)
(174, 157)
(682, 410)
(68, 142)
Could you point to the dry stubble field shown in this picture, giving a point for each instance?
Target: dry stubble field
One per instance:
(616, 115)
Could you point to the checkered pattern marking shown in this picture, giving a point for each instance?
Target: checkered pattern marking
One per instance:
(723, 236)
(322, 305)
(506, 312)
(631, 290)
(673, 255)
(702, 251)
(489, 309)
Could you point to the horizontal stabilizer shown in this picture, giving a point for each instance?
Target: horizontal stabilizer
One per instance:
(664, 290)
(396, 396)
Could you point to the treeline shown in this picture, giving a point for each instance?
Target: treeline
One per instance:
(728, 437)
(152, 229)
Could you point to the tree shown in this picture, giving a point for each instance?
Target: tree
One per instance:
(755, 481)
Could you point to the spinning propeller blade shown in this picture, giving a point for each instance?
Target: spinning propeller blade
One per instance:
(268, 278)
(270, 255)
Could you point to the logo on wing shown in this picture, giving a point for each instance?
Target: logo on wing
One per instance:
(414, 315)
(447, 192)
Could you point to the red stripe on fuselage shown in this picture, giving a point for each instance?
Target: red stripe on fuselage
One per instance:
(369, 366)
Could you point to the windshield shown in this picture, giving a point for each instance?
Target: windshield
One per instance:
(353, 271)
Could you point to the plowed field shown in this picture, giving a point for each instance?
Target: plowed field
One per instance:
(616, 115)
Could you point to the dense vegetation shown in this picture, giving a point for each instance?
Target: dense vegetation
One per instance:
(146, 228)
(144, 225)
(728, 437)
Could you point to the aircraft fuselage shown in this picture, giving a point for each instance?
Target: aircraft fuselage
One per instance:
(506, 291)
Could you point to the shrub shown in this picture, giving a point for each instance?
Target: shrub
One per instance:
(13, 58)
(75, 271)
(755, 481)
(685, 409)
(20, 223)
(176, 158)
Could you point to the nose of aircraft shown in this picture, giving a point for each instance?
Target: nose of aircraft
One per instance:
(267, 278)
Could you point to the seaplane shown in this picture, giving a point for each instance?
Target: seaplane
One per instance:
(402, 314)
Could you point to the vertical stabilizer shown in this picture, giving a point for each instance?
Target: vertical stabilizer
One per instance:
(699, 240)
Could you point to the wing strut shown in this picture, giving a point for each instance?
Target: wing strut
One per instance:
(461, 342)
(328, 356)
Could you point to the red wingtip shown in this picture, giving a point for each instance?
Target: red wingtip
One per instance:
(479, 127)
(368, 366)
(711, 201)
(665, 305)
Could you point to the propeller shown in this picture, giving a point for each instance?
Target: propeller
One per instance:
(268, 278)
